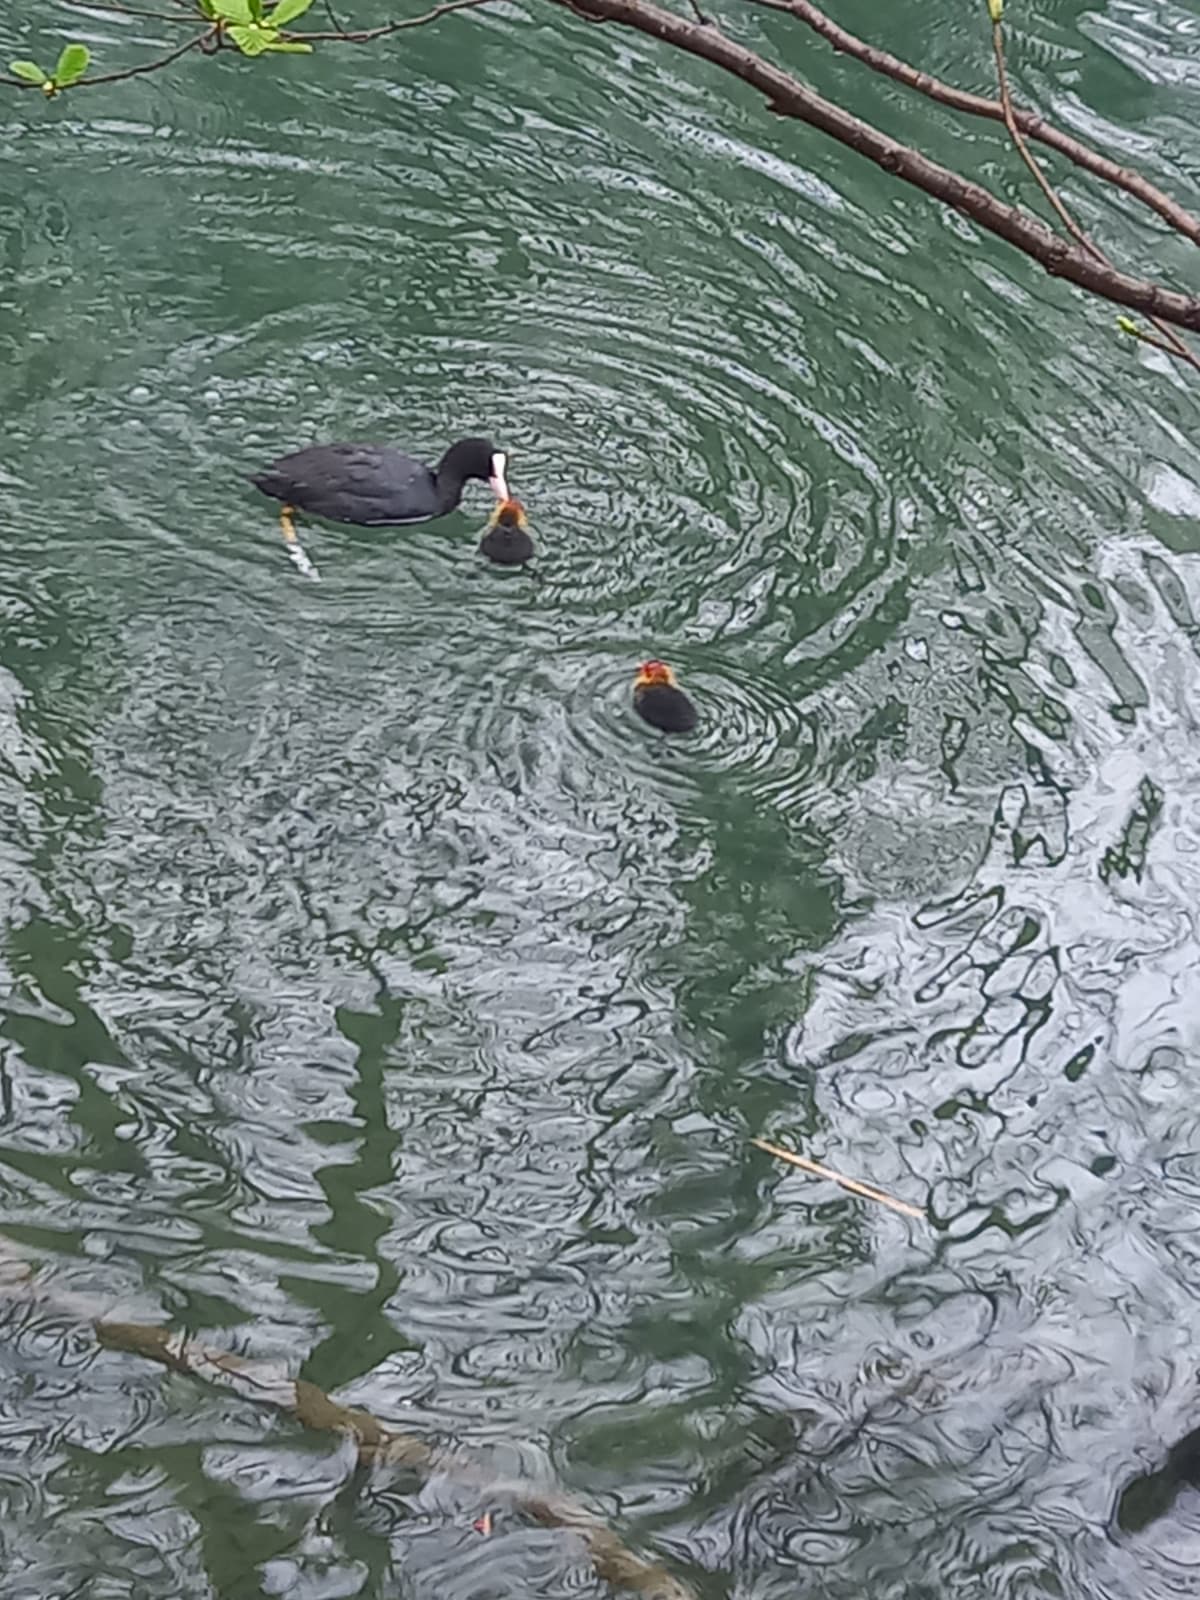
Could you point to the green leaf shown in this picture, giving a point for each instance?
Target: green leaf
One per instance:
(996, 10)
(72, 65)
(208, 9)
(292, 47)
(256, 10)
(287, 11)
(252, 41)
(29, 71)
(237, 11)
(1128, 325)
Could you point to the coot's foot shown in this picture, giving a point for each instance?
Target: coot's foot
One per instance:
(292, 542)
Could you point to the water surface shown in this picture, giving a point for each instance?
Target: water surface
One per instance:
(381, 999)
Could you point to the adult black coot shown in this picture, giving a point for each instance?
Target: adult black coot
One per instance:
(659, 700)
(375, 486)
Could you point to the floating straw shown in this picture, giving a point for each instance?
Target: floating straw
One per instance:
(852, 1184)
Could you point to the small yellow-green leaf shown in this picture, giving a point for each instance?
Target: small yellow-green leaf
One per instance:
(996, 10)
(1128, 325)
(287, 11)
(72, 65)
(291, 47)
(29, 71)
(236, 11)
(253, 40)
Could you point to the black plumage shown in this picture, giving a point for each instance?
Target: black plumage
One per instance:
(376, 486)
(658, 699)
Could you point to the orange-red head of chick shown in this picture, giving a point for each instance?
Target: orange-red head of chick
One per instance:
(510, 512)
(658, 699)
(654, 672)
(506, 539)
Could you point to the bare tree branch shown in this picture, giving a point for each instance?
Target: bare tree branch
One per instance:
(1170, 340)
(365, 35)
(1078, 261)
(375, 1442)
(1032, 125)
(789, 97)
(379, 1445)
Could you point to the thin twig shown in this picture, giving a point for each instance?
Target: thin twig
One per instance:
(1010, 122)
(865, 1189)
(150, 66)
(1126, 325)
(129, 72)
(975, 105)
(1170, 340)
(364, 36)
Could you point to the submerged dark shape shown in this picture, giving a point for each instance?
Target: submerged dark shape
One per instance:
(659, 700)
(506, 539)
(375, 486)
(1152, 1494)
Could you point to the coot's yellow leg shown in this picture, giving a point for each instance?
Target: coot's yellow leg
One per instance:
(294, 548)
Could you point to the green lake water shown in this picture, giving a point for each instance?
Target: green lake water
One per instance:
(382, 999)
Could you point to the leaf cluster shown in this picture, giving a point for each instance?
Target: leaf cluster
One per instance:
(71, 66)
(254, 26)
(254, 29)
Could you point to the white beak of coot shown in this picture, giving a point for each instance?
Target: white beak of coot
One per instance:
(498, 483)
